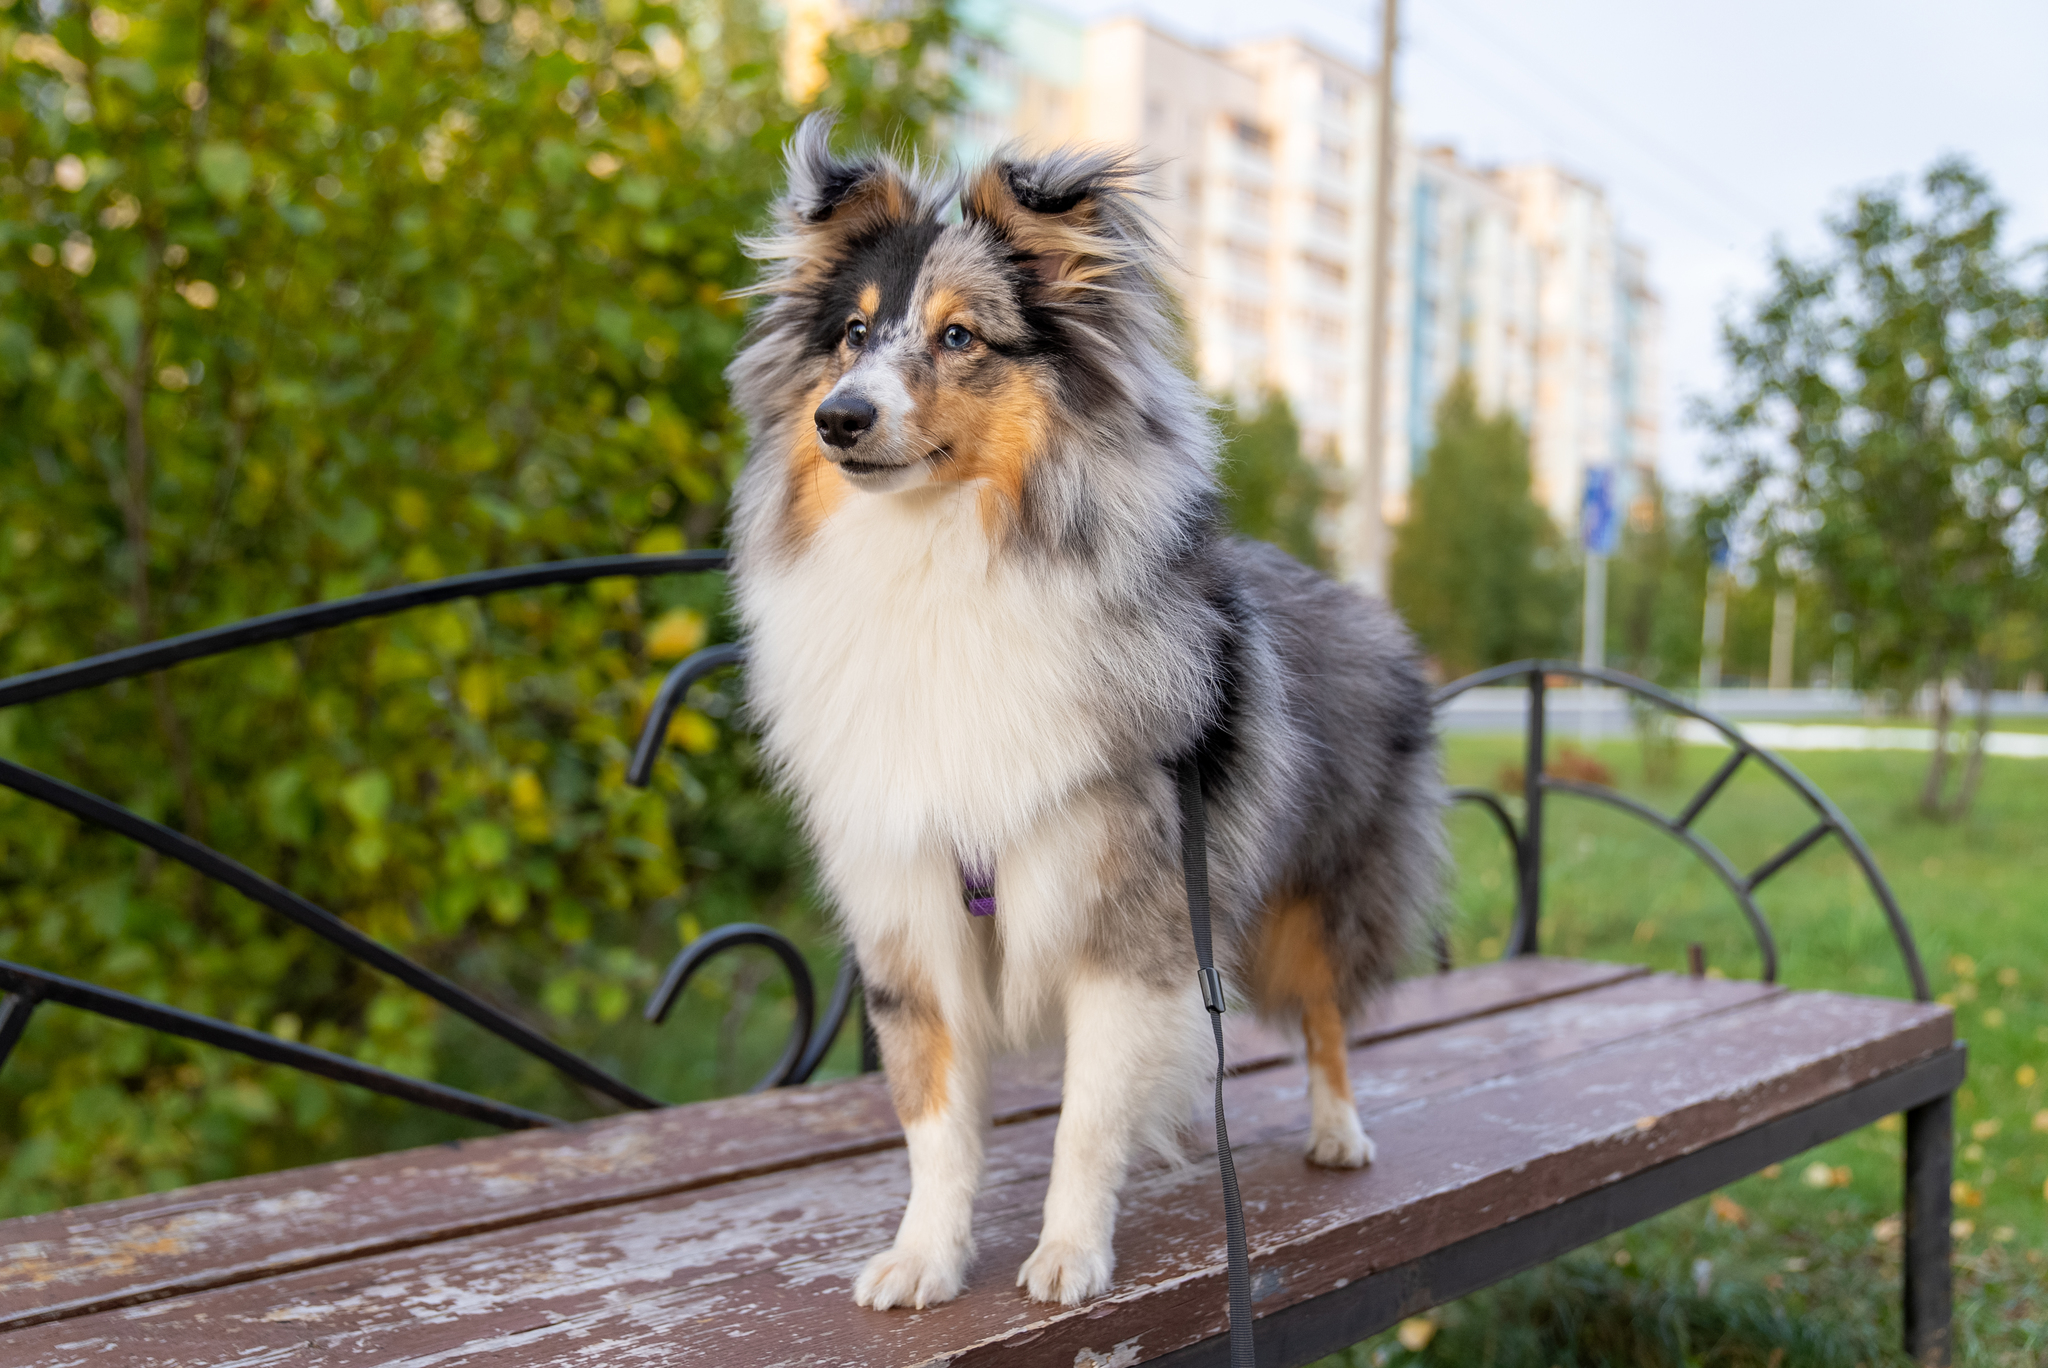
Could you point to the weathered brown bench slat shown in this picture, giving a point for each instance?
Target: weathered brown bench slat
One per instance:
(121, 1253)
(1564, 1117)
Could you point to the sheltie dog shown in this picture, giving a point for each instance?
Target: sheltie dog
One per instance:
(989, 605)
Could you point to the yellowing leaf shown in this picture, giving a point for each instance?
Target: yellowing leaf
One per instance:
(411, 508)
(526, 792)
(420, 562)
(1728, 1211)
(675, 634)
(2025, 1075)
(662, 541)
(1984, 1130)
(1962, 1194)
(478, 689)
(1415, 1333)
(694, 732)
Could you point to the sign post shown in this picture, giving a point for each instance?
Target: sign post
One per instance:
(1714, 629)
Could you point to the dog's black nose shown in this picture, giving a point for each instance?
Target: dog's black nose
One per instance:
(842, 420)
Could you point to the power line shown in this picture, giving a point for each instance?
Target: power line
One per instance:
(1681, 214)
(1675, 162)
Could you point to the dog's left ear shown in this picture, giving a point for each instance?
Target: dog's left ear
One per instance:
(1072, 217)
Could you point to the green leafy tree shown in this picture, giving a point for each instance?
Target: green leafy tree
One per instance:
(1272, 491)
(1887, 428)
(298, 302)
(1478, 569)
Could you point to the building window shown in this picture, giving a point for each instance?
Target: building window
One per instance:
(1254, 204)
(1332, 218)
(1253, 139)
(1247, 317)
(1325, 330)
(1248, 265)
(1323, 274)
(1335, 157)
(1336, 94)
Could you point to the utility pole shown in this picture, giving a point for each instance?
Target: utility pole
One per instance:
(1784, 621)
(1373, 480)
(1714, 629)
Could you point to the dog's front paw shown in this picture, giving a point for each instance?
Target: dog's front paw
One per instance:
(1338, 1141)
(1067, 1273)
(907, 1276)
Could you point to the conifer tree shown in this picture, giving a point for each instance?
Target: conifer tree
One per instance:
(1479, 571)
(1271, 490)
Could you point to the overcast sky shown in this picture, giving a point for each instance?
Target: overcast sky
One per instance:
(1715, 128)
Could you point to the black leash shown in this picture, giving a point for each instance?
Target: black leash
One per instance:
(1194, 857)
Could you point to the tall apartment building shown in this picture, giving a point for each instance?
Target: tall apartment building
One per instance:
(1263, 156)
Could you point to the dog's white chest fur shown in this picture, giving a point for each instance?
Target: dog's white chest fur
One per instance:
(921, 694)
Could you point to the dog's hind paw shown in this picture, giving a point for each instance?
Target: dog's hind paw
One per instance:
(1066, 1273)
(1334, 1144)
(909, 1277)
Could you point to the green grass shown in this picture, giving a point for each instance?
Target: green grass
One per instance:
(1778, 1271)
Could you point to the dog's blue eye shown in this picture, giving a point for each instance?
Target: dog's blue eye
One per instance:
(956, 337)
(856, 333)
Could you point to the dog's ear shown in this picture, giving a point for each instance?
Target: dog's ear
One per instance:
(831, 202)
(846, 193)
(1072, 217)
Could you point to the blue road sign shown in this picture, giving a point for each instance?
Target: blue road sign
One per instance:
(1598, 522)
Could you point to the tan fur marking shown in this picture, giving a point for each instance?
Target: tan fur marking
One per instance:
(814, 488)
(946, 305)
(870, 299)
(994, 439)
(917, 1055)
(1292, 970)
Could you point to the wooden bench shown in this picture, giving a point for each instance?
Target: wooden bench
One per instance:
(1521, 1108)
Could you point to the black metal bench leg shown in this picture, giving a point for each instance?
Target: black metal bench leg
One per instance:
(1930, 1165)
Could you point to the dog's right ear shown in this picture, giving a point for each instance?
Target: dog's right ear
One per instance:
(846, 194)
(831, 201)
(820, 183)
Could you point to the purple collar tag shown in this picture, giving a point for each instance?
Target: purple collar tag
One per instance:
(978, 890)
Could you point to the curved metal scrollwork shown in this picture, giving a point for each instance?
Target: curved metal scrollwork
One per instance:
(26, 987)
(812, 1034)
(1526, 840)
(806, 1047)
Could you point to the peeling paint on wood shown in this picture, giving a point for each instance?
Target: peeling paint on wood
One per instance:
(120, 1253)
(1480, 1119)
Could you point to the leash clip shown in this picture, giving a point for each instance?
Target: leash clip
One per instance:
(1212, 990)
